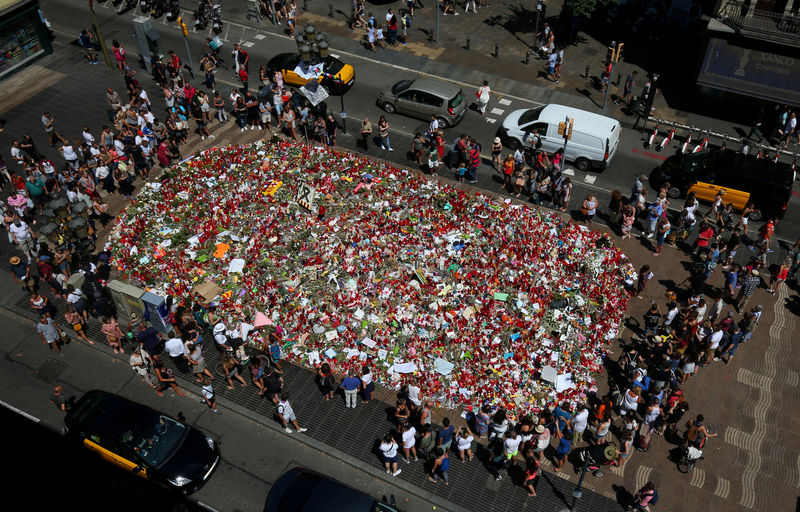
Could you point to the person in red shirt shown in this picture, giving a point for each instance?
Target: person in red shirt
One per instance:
(766, 233)
(704, 236)
(243, 77)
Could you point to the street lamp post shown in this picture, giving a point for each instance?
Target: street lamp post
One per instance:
(100, 38)
(343, 115)
(578, 492)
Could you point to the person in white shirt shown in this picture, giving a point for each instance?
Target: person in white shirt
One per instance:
(413, 394)
(16, 153)
(464, 444)
(69, 155)
(389, 450)
(713, 344)
(22, 235)
(512, 442)
(220, 337)
(119, 147)
(286, 415)
(671, 314)
(208, 395)
(579, 422)
(409, 441)
(87, 136)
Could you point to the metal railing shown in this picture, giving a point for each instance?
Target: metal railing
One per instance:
(750, 21)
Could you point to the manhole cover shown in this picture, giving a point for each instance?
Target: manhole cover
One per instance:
(51, 370)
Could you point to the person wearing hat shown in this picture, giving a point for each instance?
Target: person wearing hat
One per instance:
(20, 271)
(141, 362)
(497, 149)
(221, 338)
(542, 440)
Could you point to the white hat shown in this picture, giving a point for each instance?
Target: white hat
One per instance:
(220, 327)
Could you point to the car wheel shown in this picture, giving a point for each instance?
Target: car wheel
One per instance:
(583, 164)
(513, 144)
(443, 123)
(674, 192)
(389, 108)
(755, 215)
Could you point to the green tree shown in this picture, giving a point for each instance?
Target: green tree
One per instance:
(584, 8)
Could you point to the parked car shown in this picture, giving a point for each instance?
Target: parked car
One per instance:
(303, 490)
(424, 97)
(145, 442)
(594, 142)
(332, 73)
(766, 183)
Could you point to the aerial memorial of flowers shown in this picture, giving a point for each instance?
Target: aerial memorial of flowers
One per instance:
(352, 261)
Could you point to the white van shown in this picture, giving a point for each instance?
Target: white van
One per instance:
(594, 141)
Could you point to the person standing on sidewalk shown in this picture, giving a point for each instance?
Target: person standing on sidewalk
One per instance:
(366, 133)
(286, 414)
(383, 133)
(49, 332)
(474, 160)
(350, 385)
(408, 434)
(440, 465)
(141, 362)
(388, 448)
(209, 398)
(749, 283)
(166, 380)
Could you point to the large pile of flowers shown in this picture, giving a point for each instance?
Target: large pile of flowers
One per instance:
(480, 299)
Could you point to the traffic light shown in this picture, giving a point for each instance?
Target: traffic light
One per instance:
(610, 56)
(562, 128)
(569, 132)
(618, 54)
(183, 27)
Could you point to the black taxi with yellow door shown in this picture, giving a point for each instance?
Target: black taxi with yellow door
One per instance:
(744, 178)
(142, 441)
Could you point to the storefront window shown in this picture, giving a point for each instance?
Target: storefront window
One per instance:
(19, 42)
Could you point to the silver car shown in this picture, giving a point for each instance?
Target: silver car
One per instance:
(424, 97)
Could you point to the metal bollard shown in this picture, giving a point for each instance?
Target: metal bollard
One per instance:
(586, 76)
(619, 78)
(527, 57)
(496, 50)
(468, 41)
(330, 10)
(430, 34)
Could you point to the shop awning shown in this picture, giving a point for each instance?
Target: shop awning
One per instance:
(767, 75)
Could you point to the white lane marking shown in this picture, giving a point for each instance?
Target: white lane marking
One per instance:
(497, 111)
(723, 487)
(569, 171)
(334, 55)
(504, 101)
(589, 178)
(260, 36)
(20, 412)
(244, 29)
(227, 31)
(698, 478)
(491, 120)
(248, 44)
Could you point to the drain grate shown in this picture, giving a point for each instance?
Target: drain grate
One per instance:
(50, 370)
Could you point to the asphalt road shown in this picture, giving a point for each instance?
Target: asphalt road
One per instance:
(374, 71)
(42, 472)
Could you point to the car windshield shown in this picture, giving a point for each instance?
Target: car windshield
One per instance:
(401, 86)
(457, 100)
(333, 65)
(530, 116)
(154, 441)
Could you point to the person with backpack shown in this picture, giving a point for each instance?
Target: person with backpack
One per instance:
(273, 384)
(646, 496)
(439, 467)
(86, 40)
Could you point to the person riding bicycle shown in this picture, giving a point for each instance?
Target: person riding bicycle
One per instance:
(696, 433)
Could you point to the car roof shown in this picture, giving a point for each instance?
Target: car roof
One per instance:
(107, 413)
(436, 87)
(757, 169)
(311, 491)
(584, 121)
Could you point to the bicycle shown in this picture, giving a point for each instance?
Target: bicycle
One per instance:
(691, 455)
